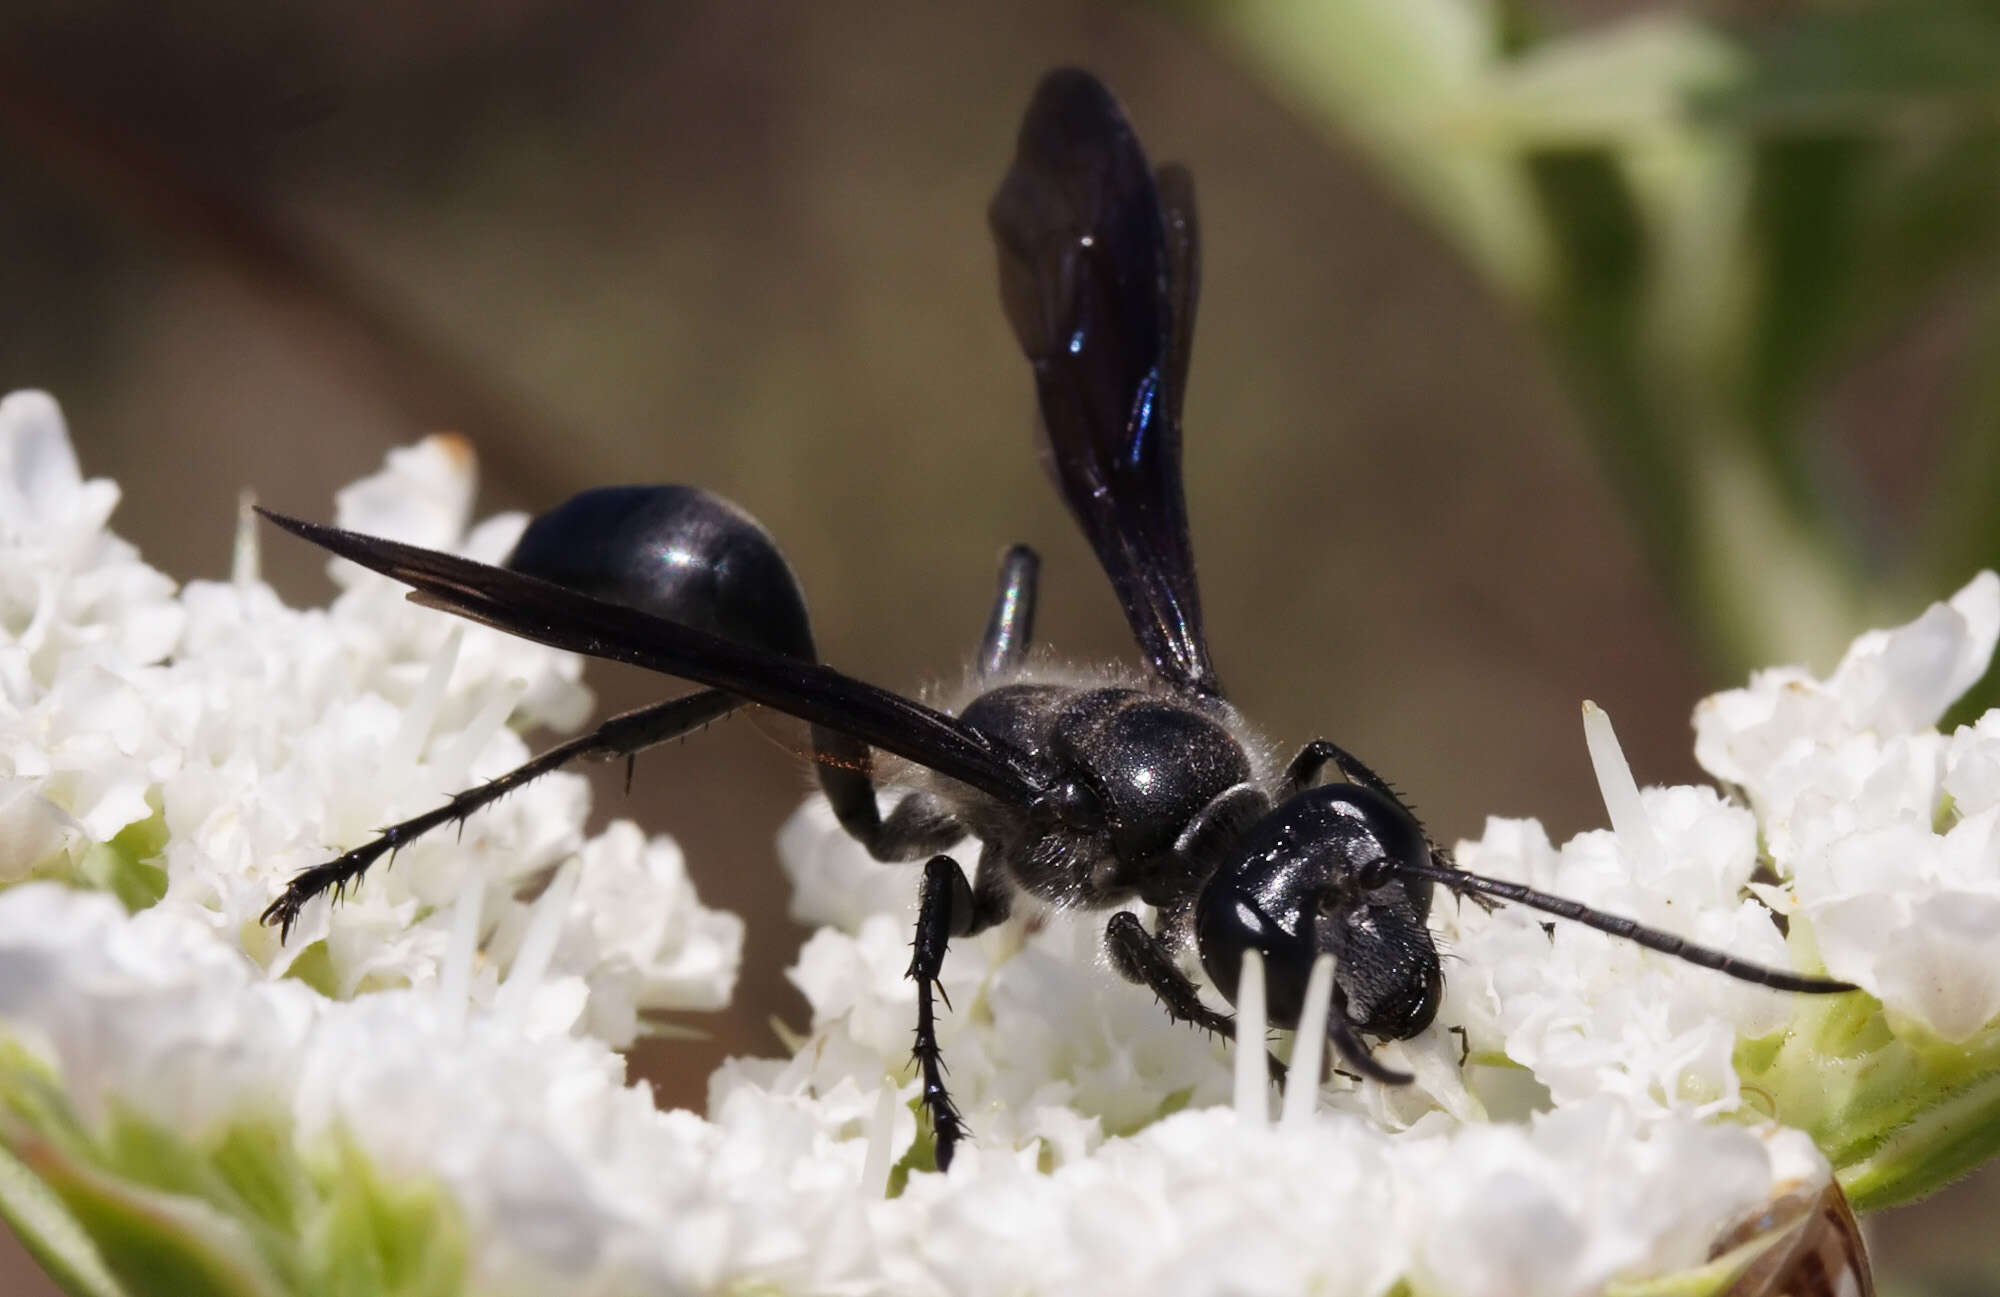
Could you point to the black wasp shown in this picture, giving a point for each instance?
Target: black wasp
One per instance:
(1083, 794)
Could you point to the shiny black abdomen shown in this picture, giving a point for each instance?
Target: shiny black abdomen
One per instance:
(676, 551)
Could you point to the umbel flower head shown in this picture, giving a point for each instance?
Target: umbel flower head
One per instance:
(420, 1093)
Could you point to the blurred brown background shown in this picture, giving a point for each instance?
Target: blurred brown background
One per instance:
(744, 246)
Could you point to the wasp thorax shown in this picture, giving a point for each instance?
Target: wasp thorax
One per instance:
(1151, 761)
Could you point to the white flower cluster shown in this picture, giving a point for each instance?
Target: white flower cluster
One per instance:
(1881, 828)
(256, 740)
(570, 1181)
(463, 1038)
(1868, 829)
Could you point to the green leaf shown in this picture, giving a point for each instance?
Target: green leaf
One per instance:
(1963, 532)
(1620, 86)
(1806, 232)
(1869, 69)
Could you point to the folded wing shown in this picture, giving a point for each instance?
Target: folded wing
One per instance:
(1099, 264)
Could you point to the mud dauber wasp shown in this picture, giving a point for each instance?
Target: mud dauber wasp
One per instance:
(1086, 791)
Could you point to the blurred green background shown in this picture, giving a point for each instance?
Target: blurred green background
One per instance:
(1546, 352)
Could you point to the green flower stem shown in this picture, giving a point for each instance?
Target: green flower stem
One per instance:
(1898, 1113)
(1576, 178)
(1711, 1280)
(1387, 76)
(50, 1234)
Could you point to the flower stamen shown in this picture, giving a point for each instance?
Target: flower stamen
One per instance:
(538, 943)
(1253, 1105)
(1620, 790)
(454, 987)
(1308, 1047)
(881, 1131)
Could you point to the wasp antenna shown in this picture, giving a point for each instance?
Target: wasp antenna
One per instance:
(1631, 930)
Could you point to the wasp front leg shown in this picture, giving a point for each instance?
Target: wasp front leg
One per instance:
(947, 907)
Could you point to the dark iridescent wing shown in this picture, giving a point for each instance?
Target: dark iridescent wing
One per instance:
(1183, 236)
(562, 618)
(1098, 274)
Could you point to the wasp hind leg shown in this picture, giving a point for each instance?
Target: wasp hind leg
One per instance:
(625, 735)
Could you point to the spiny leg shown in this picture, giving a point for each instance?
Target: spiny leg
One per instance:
(1464, 1045)
(624, 735)
(1315, 756)
(1144, 958)
(1318, 754)
(947, 907)
(1202, 848)
(918, 825)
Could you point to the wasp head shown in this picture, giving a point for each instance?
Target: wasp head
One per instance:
(1324, 874)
